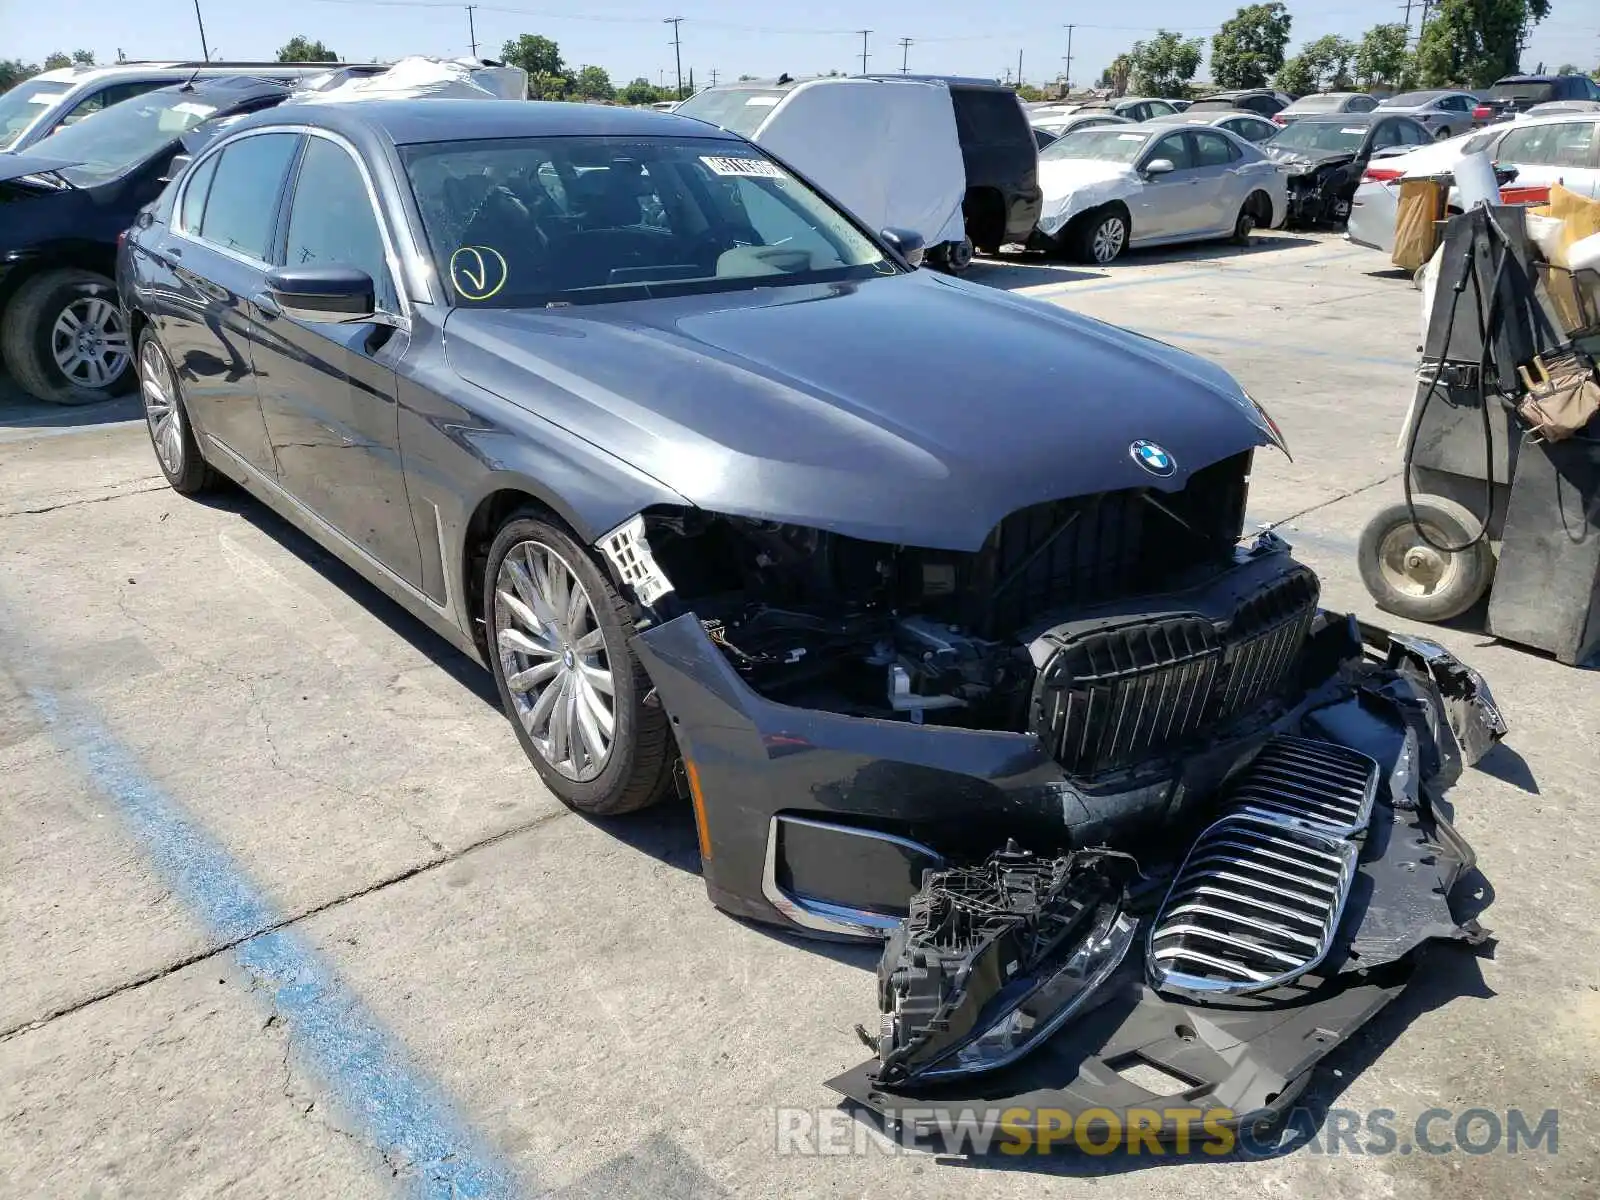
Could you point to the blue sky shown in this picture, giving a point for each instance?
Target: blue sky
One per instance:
(627, 37)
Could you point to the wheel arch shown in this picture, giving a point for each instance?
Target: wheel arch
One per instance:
(56, 256)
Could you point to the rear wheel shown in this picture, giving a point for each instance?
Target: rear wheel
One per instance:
(1103, 234)
(558, 645)
(1441, 133)
(65, 338)
(171, 434)
(953, 258)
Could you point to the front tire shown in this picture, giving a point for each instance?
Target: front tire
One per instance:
(65, 338)
(1103, 235)
(1407, 576)
(558, 644)
(1245, 223)
(171, 433)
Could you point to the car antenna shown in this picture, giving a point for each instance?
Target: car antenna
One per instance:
(188, 84)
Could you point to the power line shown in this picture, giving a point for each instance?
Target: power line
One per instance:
(677, 49)
(863, 33)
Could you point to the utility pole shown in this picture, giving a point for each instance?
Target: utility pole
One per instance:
(863, 33)
(713, 77)
(905, 56)
(472, 30)
(1068, 79)
(677, 49)
(1019, 68)
(200, 21)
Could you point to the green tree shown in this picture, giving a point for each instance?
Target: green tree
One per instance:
(1164, 65)
(13, 71)
(1569, 69)
(1249, 47)
(1474, 42)
(639, 91)
(592, 83)
(302, 49)
(1324, 63)
(1115, 76)
(83, 58)
(57, 59)
(1382, 56)
(540, 57)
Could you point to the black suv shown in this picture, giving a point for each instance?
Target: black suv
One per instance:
(65, 200)
(1001, 159)
(1518, 93)
(1264, 102)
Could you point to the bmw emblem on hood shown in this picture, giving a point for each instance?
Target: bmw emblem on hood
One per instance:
(1153, 458)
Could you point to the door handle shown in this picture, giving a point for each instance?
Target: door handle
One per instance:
(268, 306)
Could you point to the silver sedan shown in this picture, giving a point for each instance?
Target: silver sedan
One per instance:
(1248, 125)
(1443, 113)
(1149, 185)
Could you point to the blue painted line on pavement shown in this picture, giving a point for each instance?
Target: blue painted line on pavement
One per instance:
(393, 1104)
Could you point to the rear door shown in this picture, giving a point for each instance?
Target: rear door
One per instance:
(1222, 189)
(329, 391)
(216, 254)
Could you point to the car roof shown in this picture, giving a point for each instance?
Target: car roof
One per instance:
(966, 81)
(1526, 79)
(226, 89)
(403, 122)
(1347, 118)
(1205, 118)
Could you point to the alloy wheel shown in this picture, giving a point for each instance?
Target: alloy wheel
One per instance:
(161, 408)
(554, 660)
(89, 342)
(1108, 239)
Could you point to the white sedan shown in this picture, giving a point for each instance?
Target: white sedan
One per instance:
(1149, 185)
(1560, 148)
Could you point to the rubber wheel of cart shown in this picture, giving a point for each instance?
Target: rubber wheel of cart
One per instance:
(1408, 577)
(65, 338)
(1245, 224)
(955, 257)
(544, 636)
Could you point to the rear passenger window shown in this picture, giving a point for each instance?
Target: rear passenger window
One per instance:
(1573, 145)
(1213, 150)
(989, 116)
(242, 205)
(1412, 134)
(1363, 104)
(194, 195)
(332, 221)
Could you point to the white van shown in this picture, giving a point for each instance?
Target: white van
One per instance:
(887, 150)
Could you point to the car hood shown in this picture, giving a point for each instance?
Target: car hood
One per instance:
(1299, 161)
(1075, 185)
(915, 409)
(14, 165)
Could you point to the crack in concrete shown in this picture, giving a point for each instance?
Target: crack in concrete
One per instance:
(1366, 487)
(158, 485)
(189, 960)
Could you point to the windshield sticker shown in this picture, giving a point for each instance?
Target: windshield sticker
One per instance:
(1358, 130)
(761, 101)
(477, 272)
(754, 168)
(1131, 137)
(46, 97)
(190, 108)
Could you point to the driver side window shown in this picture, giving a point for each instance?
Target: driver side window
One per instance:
(332, 221)
(1175, 148)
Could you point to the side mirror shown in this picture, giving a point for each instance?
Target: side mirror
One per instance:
(905, 242)
(178, 165)
(1159, 166)
(344, 295)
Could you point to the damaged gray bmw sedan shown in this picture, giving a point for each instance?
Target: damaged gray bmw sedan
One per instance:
(935, 602)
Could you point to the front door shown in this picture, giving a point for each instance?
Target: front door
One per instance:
(1166, 204)
(328, 390)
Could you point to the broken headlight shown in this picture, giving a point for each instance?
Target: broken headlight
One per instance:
(992, 960)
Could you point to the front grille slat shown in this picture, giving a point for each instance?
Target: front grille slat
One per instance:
(1111, 699)
(1258, 899)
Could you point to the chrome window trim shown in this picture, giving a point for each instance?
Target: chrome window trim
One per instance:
(402, 257)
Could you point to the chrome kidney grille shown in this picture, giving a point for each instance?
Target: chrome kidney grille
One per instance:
(1258, 899)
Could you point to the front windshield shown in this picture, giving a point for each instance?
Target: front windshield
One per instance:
(1320, 135)
(739, 109)
(525, 222)
(116, 140)
(25, 104)
(1106, 145)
